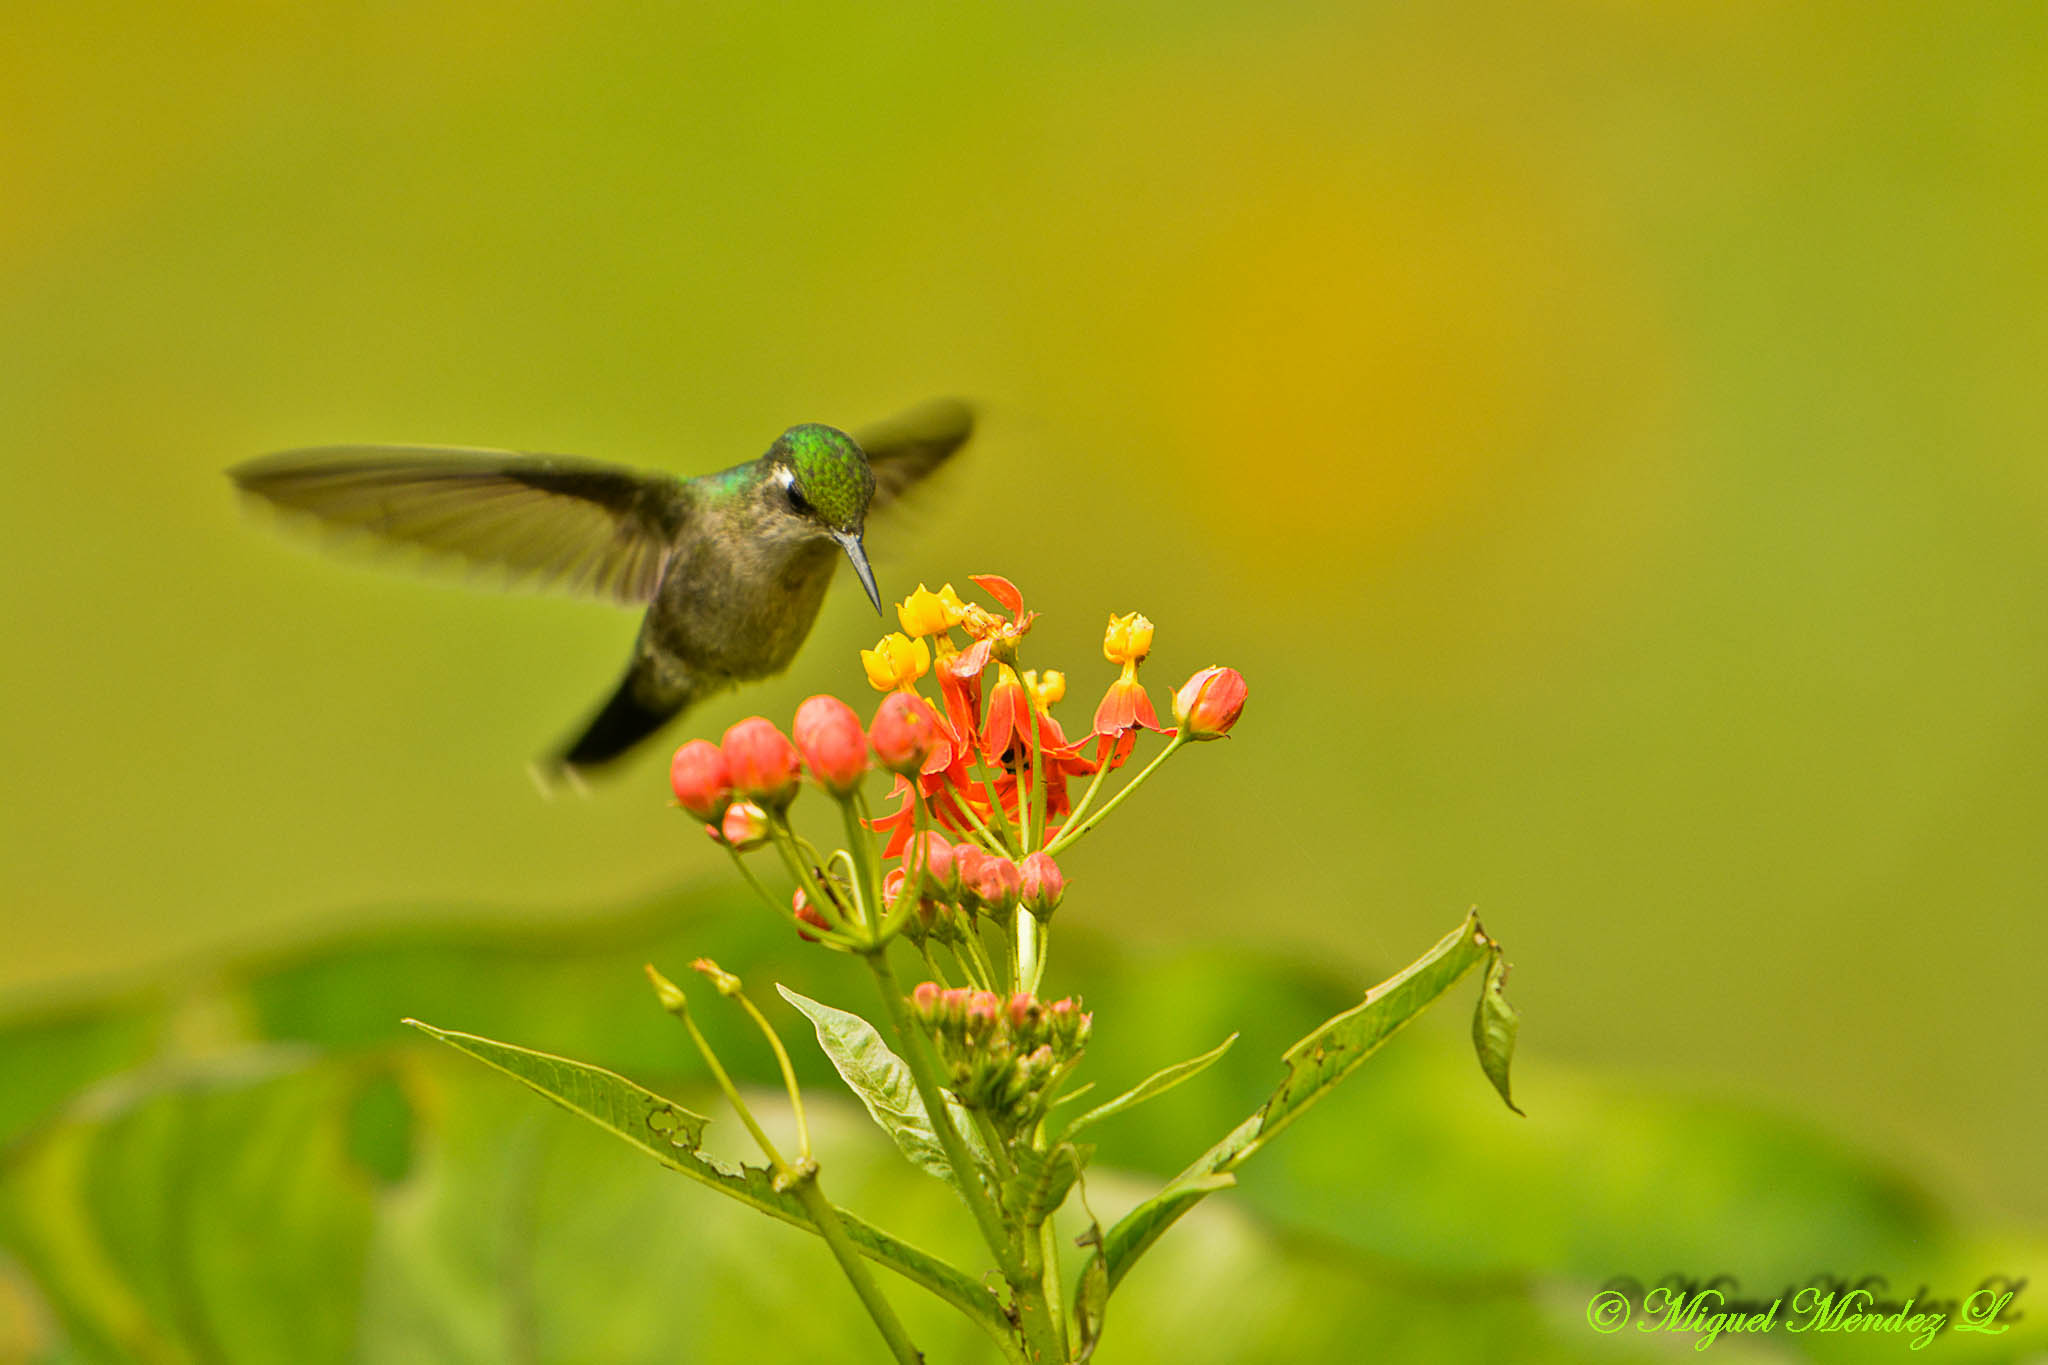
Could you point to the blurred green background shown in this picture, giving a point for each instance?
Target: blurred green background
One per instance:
(1608, 437)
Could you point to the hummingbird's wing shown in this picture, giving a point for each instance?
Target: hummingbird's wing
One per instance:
(591, 528)
(910, 445)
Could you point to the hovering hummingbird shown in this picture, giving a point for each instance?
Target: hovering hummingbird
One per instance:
(731, 566)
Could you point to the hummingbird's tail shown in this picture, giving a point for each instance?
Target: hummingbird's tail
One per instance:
(648, 698)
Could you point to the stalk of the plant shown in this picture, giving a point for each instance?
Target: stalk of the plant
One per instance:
(1034, 1315)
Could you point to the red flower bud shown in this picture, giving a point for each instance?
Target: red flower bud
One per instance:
(765, 766)
(941, 869)
(809, 914)
(967, 864)
(745, 826)
(1043, 884)
(1208, 704)
(892, 888)
(906, 730)
(998, 883)
(702, 780)
(828, 734)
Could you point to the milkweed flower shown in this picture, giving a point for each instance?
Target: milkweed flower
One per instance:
(896, 661)
(925, 612)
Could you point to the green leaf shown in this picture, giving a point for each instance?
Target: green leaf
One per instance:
(1091, 1294)
(1314, 1066)
(671, 1135)
(883, 1082)
(1041, 1181)
(1494, 1025)
(1156, 1084)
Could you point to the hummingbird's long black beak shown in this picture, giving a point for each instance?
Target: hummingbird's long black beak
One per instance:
(855, 551)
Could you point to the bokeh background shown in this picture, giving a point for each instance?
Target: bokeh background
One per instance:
(1609, 438)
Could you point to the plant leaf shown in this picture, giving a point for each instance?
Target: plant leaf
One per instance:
(1494, 1025)
(1158, 1083)
(1314, 1066)
(1042, 1179)
(883, 1082)
(670, 1134)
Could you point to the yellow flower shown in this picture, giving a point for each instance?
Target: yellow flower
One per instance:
(1128, 639)
(1046, 688)
(925, 612)
(896, 661)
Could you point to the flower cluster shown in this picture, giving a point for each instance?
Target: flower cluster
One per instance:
(988, 787)
(1001, 1057)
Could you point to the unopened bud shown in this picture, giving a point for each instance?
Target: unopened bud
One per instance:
(765, 766)
(1043, 884)
(745, 826)
(801, 906)
(1209, 703)
(905, 732)
(829, 737)
(702, 780)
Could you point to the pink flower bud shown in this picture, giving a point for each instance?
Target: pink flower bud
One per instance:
(925, 996)
(905, 732)
(766, 768)
(941, 869)
(702, 781)
(967, 862)
(828, 735)
(1208, 704)
(892, 888)
(809, 914)
(1043, 885)
(745, 826)
(998, 883)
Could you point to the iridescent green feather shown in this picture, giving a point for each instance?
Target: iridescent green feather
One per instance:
(831, 473)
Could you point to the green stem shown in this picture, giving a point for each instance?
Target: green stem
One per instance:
(1031, 805)
(732, 1094)
(1033, 1315)
(831, 936)
(796, 1099)
(805, 1187)
(861, 840)
(1029, 967)
(804, 877)
(1049, 1257)
(1094, 786)
(1006, 841)
(1074, 831)
(979, 952)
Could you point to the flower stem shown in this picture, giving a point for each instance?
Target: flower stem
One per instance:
(796, 1099)
(1034, 1318)
(1074, 831)
(1029, 967)
(732, 1094)
(805, 1187)
(830, 936)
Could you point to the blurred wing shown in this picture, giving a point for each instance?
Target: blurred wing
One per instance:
(590, 528)
(907, 447)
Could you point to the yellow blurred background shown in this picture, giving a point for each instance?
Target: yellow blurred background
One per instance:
(1608, 437)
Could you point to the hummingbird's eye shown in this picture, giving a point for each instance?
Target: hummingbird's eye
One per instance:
(798, 503)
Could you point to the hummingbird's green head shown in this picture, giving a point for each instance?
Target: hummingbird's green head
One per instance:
(826, 480)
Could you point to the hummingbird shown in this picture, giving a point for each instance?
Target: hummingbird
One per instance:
(731, 567)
